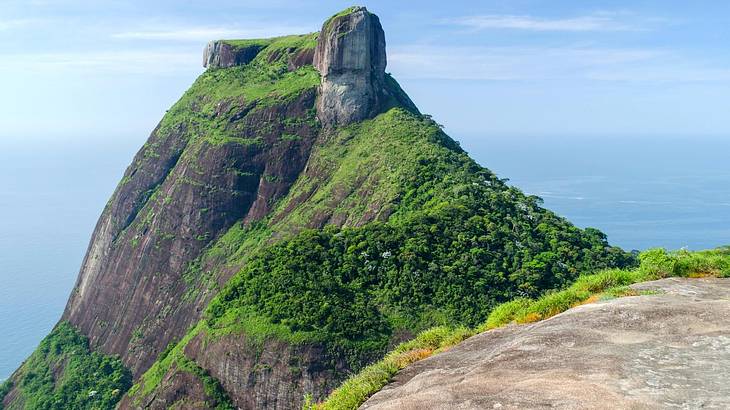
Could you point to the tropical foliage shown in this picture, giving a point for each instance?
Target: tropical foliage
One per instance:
(611, 283)
(64, 374)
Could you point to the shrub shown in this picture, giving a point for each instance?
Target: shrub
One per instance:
(64, 374)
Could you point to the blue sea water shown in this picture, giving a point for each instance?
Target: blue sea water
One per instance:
(644, 192)
(50, 197)
(671, 192)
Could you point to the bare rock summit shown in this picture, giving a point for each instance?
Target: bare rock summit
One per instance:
(350, 57)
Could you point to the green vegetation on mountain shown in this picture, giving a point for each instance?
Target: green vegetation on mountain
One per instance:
(5, 388)
(457, 242)
(205, 115)
(278, 44)
(205, 109)
(218, 399)
(63, 373)
(611, 283)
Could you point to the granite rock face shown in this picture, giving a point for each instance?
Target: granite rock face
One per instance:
(219, 54)
(663, 351)
(350, 57)
(180, 388)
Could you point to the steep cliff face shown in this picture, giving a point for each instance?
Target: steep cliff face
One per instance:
(129, 297)
(267, 373)
(178, 195)
(289, 219)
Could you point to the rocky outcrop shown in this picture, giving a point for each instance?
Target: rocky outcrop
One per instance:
(267, 374)
(252, 374)
(350, 57)
(220, 54)
(179, 389)
(669, 350)
(242, 161)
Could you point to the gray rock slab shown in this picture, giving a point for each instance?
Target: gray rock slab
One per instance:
(669, 350)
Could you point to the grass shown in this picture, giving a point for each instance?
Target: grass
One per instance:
(244, 43)
(358, 388)
(366, 162)
(203, 109)
(303, 41)
(585, 288)
(342, 13)
(655, 264)
(259, 328)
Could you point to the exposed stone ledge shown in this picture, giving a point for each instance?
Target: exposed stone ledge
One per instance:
(220, 54)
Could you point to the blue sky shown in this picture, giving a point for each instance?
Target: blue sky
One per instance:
(102, 70)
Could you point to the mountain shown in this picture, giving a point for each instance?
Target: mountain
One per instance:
(291, 218)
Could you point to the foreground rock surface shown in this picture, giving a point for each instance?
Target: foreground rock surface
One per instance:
(667, 350)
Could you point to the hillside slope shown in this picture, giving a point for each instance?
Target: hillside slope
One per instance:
(291, 218)
(667, 349)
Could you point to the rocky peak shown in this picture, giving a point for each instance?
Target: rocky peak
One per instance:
(350, 57)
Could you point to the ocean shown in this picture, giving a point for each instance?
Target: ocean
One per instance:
(642, 192)
(51, 197)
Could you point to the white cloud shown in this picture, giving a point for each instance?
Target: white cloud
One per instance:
(556, 63)
(601, 22)
(203, 34)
